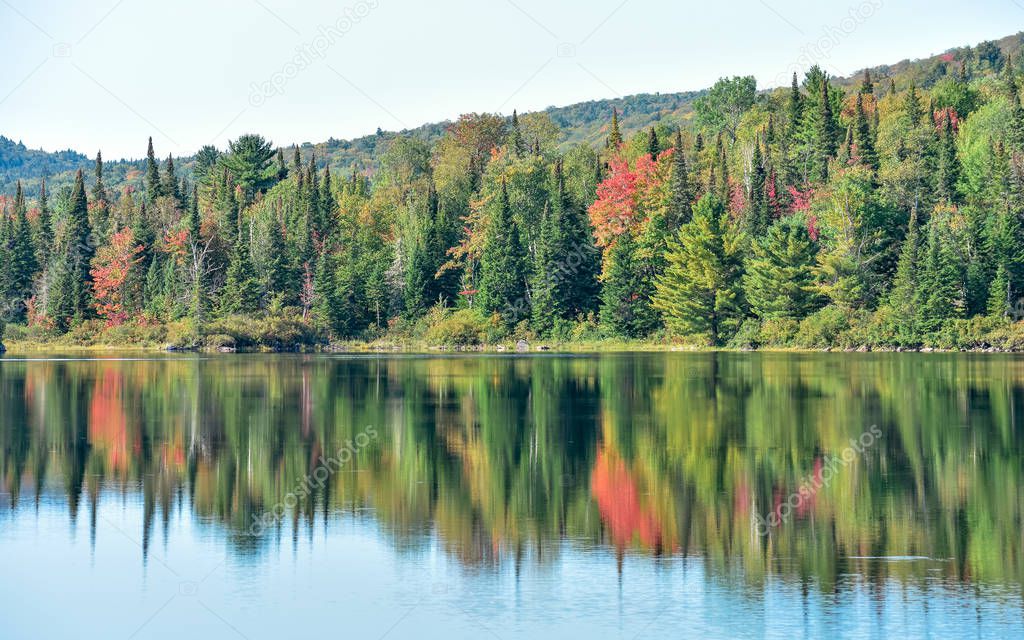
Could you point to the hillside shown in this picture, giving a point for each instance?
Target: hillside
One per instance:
(583, 122)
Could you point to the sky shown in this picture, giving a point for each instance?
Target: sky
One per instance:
(106, 74)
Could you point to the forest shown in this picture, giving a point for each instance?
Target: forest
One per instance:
(874, 215)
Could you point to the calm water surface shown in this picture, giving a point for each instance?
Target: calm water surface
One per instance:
(619, 496)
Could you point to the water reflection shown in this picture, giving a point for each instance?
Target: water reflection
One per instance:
(506, 461)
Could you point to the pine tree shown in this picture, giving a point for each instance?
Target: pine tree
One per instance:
(169, 186)
(949, 165)
(198, 294)
(626, 309)
(941, 292)
(21, 260)
(43, 232)
(502, 263)
(700, 293)
(653, 145)
(757, 216)
(154, 187)
(867, 87)
(242, 291)
(516, 142)
(615, 137)
(680, 207)
(862, 136)
(913, 108)
(282, 168)
(328, 203)
(69, 295)
(779, 275)
(905, 291)
(825, 135)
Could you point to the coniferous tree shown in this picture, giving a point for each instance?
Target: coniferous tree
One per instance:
(949, 164)
(626, 308)
(21, 260)
(941, 285)
(825, 135)
(680, 207)
(905, 292)
(653, 145)
(43, 232)
(516, 142)
(502, 263)
(154, 187)
(862, 136)
(170, 181)
(615, 137)
(779, 279)
(700, 293)
(69, 293)
(242, 291)
(757, 215)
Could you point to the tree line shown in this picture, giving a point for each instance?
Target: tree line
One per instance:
(809, 215)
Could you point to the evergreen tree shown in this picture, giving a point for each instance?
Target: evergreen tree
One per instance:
(170, 181)
(615, 137)
(626, 309)
(700, 293)
(779, 279)
(242, 291)
(282, 168)
(949, 165)
(905, 291)
(43, 232)
(757, 216)
(865, 143)
(680, 207)
(70, 288)
(154, 187)
(941, 293)
(867, 87)
(21, 259)
(198, 295)
(825, 138)
(653, 145)
(516, 142)
(502, 263)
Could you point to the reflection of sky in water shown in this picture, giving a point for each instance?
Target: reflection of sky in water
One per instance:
(348, 579)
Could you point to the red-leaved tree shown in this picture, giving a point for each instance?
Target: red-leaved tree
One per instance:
(112, 275)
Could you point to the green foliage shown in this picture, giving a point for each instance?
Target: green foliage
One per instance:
(779, 278)
(700, 293)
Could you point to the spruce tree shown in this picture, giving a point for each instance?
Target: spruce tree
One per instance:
(653, 145)
(502, 263)
(615, 137)
(21, 260)
(154, 187)
(941, 293)
(198, 294)
(516, 142)
(700, 293)
(757, 216)
(905, 291)
(779, 279)
(680, 207)
(626, 309)
(170, 185)
(43, 232)
(862, 136)
(825, 135)
(949, 165)
(70, 288)
(242, 291)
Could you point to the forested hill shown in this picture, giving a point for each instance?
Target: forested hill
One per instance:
(585, 122)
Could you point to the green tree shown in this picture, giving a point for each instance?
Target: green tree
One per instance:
(700, 294)
(154, 186)
(502, 263)
(250, 161)
(779, 278)
(70, 288)
(626, 309)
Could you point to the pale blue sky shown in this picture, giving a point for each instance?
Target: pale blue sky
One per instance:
(105, 74)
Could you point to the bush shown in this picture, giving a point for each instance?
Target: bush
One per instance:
(778, 332)
(460, 328)
(747, 336)
(823, 328)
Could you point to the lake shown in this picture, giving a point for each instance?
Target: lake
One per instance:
(612, 496)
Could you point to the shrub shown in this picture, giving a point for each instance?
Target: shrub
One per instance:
(460, 328)
(747, 336)
(778, 332)
(823, 328)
